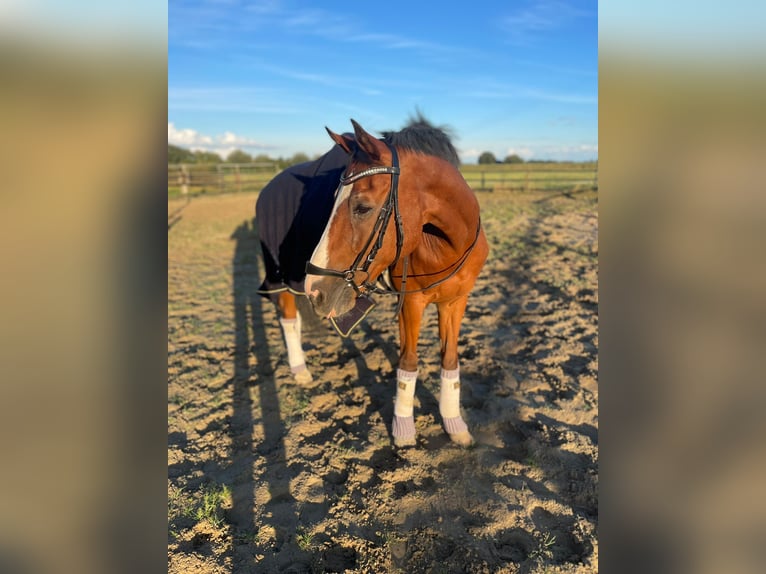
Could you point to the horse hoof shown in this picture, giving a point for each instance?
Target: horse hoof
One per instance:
(462, 438)
(401, 441)
(303, 377)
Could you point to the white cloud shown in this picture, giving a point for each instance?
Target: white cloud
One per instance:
(222, 144)
(230, 138)
(524, 152)
(187, 137)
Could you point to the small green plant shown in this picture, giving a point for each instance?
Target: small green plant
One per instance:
(248, 536)
(180, 504)
(296, 404)
(210, 506)
(302, 401)
(346, 451)
(544, 550)
(175, 501)
(305, 539)
(389, 537)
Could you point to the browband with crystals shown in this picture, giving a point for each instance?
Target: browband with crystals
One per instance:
(352, 177)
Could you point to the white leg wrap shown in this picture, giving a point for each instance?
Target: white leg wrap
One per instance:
(405, 393)
(449, 407)
(292, 331)
(403, 427)
(449, 396)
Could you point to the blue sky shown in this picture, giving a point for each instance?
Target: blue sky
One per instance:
(267, 76)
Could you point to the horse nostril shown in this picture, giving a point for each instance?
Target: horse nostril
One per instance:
(316, 298)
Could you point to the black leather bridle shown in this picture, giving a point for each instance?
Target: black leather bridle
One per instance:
(390, 206)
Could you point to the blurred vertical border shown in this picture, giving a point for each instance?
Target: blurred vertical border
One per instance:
(83, 96)
(682, 282)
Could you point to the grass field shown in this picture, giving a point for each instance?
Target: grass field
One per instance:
(266, 475)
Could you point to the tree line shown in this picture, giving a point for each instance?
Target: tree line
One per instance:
(488, 157)
(177, 154)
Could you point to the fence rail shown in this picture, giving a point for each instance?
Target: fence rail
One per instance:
(197, 179)
(531, 176)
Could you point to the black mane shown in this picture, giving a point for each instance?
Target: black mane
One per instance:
(421, 136)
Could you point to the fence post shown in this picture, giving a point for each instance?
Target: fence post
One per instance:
(220, 178)
(239, 181)
(184, 180)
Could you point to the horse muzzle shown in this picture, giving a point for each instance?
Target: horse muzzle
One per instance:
(330, 296)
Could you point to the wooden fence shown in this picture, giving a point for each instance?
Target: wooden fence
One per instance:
(531, 176)
(195, 179)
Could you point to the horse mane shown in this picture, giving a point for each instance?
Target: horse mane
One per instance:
(420, 135)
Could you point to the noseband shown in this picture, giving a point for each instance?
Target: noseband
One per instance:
(391, 205)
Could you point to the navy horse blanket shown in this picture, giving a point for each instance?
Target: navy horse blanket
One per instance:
(291, 213)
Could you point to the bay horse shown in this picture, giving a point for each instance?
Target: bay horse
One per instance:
(409, 221)
(291, 213)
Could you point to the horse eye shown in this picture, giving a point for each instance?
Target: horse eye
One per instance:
(362, 209)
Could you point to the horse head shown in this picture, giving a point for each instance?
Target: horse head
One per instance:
(371, 227)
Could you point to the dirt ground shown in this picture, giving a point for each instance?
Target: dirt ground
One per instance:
(265, 475)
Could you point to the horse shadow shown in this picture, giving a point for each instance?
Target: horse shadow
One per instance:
(175, 216)
(257, 458)
(250, 338)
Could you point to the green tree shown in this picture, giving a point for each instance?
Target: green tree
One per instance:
(239, 156)
(180, 155)
(513, 158)
(299, 157)
(207, 157)
(487, 157)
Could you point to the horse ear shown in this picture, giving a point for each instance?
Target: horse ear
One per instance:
(345, 141)
(368, 143)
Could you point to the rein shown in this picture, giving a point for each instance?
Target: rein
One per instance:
(390, 206)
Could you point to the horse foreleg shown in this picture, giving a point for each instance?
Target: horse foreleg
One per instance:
(403, 427)
(290, 320)
(450, 316)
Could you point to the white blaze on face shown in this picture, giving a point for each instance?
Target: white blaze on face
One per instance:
(321, 256)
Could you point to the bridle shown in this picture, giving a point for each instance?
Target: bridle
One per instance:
(377, 235)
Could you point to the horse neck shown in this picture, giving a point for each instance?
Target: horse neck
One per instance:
(448, 203)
